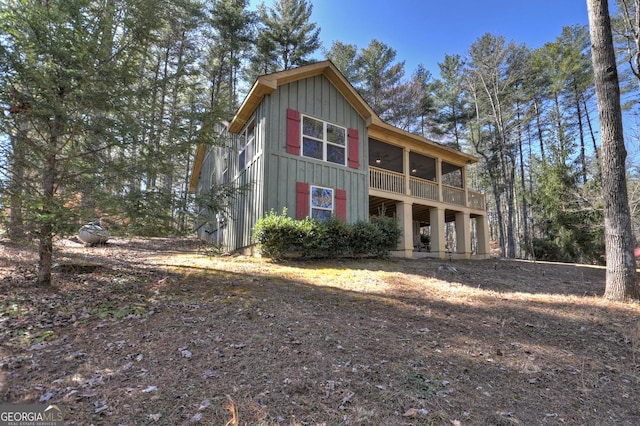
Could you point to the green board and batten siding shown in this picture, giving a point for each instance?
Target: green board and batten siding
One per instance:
(273, 173)
(318, 98)
(248, 207)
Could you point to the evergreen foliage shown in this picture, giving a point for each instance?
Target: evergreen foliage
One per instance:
(65, 72)
(279, 235)
(286, 37)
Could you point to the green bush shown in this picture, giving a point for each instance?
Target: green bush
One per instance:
(279, 235)
(389, 234)
(364, 237)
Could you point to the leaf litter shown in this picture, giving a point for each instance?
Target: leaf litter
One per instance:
(160, 331)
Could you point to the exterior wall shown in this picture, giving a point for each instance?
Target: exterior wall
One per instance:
(318, 98)
(207, 227)
(235, 229)
(273, 173)
(248, 206)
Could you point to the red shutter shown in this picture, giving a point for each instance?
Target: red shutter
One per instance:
(341, 204)
(354, 144)
(293, 131)
(302, 200)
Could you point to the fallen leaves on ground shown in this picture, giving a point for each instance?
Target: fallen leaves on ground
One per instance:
(159, 331)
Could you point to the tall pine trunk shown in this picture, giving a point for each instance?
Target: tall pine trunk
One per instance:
(583, 158)
(45, 231)
(539, 127)
(621, 266)
(593, 136)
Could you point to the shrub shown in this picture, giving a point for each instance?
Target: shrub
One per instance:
(364, 237)
(280, 234)
(337, 235)
(389, 234)
(277, 234)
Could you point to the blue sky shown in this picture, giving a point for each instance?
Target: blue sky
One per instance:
(423, 31)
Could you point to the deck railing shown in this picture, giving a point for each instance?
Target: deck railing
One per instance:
(453, 195)
(423, 188)
(476, 200)
(386, 180)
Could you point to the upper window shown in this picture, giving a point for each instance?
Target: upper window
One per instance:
(246, 145)
(323, 141)
(322, 203)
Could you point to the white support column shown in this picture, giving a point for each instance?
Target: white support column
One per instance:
(407, 171)
(439, 178)
(404, 212)
(482, 231)
(436, 219)
(465, 186)
(463, 234)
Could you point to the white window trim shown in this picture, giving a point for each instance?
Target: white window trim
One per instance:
(324, 140)
(244, 143)
(333, 200)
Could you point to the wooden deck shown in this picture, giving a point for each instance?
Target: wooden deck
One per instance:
(393, 182)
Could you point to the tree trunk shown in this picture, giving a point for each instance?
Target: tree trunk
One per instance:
(539, 126)
(593, 137)
(583, 158)
(621, 266)
(45, 243)
(523, 188)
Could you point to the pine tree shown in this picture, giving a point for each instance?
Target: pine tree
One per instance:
(449, 96)
(287, 38)
(344, 58)
(493, 75)
(621, 266)
(232, 35)
(66, 68)
(379, 76)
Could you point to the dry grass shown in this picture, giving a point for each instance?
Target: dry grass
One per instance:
(162, 333)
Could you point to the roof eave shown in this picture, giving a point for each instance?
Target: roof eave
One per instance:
(262, 87)
(267, 84)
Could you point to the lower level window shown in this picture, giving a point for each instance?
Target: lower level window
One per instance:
(322, 203)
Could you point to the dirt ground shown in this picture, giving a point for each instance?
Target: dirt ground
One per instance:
(160, 331)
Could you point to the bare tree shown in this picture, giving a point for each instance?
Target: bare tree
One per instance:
(621, 266)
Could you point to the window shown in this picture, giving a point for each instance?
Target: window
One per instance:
(322, 203)
(246, 146)
(323, 141)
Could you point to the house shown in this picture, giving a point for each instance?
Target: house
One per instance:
(305, 140)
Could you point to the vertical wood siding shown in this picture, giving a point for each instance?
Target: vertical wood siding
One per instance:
(273, 174)
(318, 98)
(248, 206)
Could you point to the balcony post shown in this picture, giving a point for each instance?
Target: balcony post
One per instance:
(482, 232)
(407, 170)
(465, 186)
(405, 216)
(463, 234)
(436, 219)
(439, 177)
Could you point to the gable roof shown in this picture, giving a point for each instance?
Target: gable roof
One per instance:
(268, 83)
(377, 128)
